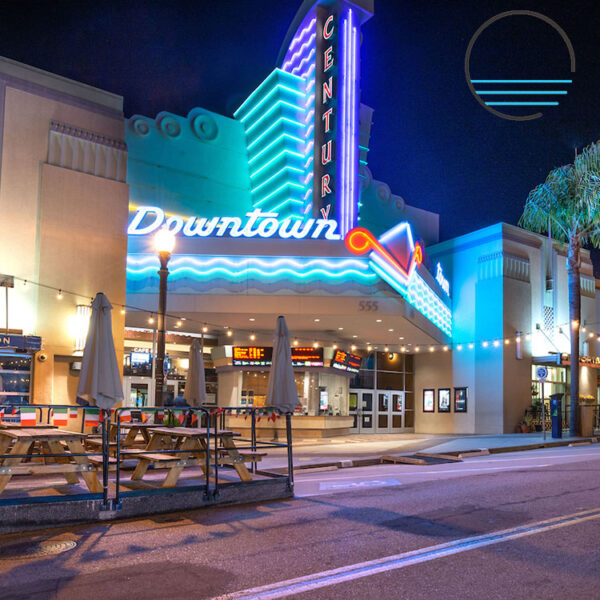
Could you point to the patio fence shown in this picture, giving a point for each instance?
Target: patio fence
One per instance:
(212, 454)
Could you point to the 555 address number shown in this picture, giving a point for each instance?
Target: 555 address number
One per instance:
(368, 306)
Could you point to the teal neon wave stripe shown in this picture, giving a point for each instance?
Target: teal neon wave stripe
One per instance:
(243, 273)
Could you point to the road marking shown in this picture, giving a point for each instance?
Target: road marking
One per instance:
(315, 581)
(333, 484)
(403, 473)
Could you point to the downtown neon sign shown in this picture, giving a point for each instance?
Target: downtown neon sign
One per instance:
(258, 224)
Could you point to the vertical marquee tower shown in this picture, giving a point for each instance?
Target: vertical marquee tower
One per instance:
(322, 47)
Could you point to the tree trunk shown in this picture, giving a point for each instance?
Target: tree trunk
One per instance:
(573, 268)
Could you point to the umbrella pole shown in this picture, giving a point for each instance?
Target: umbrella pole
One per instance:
(288, 427)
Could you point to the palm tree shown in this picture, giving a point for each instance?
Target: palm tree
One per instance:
(568, 203)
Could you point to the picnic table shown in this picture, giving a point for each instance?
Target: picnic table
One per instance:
(190, 441)
(50, 441)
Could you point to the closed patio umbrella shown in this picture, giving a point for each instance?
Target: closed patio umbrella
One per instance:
(100, 379)
(282, 393)
(195, 383)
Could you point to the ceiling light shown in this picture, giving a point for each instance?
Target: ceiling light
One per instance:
(378, 321)
(317, 320)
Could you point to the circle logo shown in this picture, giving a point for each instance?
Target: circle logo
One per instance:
(492, 93)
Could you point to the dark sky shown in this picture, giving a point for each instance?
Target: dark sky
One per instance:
(431, 141)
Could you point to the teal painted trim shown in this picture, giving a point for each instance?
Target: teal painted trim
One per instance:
(284, 186)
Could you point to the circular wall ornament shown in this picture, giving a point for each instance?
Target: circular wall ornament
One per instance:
(139, 126)
(400, 203)
(169, 126)
(384, 193)
(204, 127)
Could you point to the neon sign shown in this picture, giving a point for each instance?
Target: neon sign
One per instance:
(395, 257)
(258, 224)
(326, 100)
(439, 277)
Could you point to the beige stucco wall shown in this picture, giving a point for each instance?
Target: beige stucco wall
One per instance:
(61, 228)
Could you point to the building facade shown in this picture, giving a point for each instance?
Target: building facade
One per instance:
(275, 211)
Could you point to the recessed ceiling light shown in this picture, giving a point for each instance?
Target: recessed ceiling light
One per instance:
(401, 337)
(317, 320)
(390, 330)
(251, 319)
(340, 329)
(354, 336)
(378, 320)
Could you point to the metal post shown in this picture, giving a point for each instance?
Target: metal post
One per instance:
(207, 455)
(288, 427)
(543, 412)
(253, 437)
(105, 456)
(118, 465)
(159, 375)
(216, 492)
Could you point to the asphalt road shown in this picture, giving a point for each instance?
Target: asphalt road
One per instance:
(508, 526)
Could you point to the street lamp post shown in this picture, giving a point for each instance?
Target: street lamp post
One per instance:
(164, 242)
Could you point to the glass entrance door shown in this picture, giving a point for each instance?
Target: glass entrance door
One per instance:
(362, 409)
(138, 391)
(390, 411)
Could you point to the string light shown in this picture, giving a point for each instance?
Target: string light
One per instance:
(59, 295)
(528, 337)
(386, 349)
(471, 346)
(445, 348)
(459, 347)
(496, 343)
(229, 333)
(417, 349)
(25, 283)
(507, 341)
(315, 344)
(178, 324)
(253, 336)
(204, 329)
(122, 311)
(485, 344)
(335, 346)
(151, 320)
(430, 348)
(369, 348)
(295, 342)
(353, 347)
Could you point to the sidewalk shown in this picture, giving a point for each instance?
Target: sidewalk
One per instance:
(352, 450)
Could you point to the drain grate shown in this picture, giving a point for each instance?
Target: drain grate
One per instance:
(34, 549)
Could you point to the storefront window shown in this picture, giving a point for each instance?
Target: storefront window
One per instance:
(318, 393)
(558, 382)
(15, 378)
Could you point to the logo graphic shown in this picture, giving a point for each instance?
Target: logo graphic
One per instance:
(518, 92)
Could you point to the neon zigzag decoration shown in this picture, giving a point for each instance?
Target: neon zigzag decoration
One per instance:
(397, 266)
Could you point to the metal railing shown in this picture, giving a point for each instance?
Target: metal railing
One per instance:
(208, 455)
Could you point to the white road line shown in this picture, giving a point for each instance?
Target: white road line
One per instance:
(315, 581)
(403, 473)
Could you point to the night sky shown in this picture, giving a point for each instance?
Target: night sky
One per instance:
(431, 140)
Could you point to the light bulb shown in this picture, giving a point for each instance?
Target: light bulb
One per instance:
(151, 320)
(204, 329)
(229, 333)
(59, 296)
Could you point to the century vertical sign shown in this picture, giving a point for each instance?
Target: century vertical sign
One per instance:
(335, 189)
(326, 104)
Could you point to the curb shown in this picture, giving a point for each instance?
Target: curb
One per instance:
(454, 456)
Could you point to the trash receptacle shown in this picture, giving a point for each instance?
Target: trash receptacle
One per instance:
(556, 414)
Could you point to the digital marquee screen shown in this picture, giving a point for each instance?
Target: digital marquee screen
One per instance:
(246, 356)
(307, 357)
(344, 361)
(262, 356)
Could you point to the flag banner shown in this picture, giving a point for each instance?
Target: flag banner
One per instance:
(179, 415)
(160, 414)
(28, 416)
(73, 412)
(92, 417)
(125, 416)
(60, 417)
(146, 416)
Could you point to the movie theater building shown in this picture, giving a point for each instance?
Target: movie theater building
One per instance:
(275, 211)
